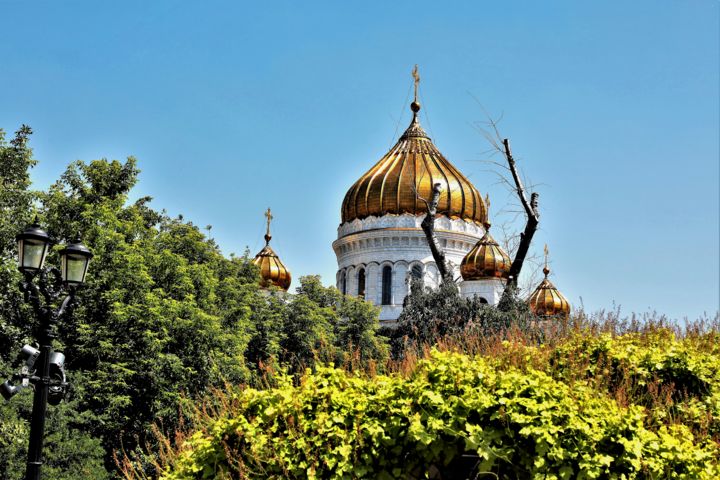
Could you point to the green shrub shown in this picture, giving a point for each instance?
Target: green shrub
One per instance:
(520, 423)
(679, 380)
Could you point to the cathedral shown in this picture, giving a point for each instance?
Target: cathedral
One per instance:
(381, 246)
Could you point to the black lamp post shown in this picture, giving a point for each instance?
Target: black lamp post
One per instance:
(42, 288)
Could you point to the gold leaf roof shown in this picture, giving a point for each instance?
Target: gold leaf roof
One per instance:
(272, 271)
(410, 169)
(547, 300)
(485, 260)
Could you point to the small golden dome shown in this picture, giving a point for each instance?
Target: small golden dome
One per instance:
(272, 271)
(547, 300)
(485, 260)
(410, 169)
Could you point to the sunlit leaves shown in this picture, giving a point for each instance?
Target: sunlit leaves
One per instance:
(519, 424)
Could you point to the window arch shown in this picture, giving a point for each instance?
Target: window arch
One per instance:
(387, 285)
(343, 283)
(361, 283)
(416, 272)
(483, 300)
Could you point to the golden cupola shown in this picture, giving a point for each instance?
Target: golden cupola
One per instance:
(546, 300)
(272, 271)
(407, 172)
(486, 259)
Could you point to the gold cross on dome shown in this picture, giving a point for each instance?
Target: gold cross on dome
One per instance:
(269, 217)
(547, 252)
(416, 77)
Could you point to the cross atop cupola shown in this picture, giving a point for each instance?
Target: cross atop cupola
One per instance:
(269, 217)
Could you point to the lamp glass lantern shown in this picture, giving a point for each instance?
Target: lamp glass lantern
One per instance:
(74, 261)
(33, 245)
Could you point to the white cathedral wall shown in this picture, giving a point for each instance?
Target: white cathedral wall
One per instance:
(372, 292)
(399, 242)
(490, 289)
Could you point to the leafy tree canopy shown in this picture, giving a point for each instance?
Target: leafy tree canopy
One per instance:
(164, 316)
(432, 314)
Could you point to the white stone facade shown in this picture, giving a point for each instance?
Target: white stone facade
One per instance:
(384, 251)
(490, 289)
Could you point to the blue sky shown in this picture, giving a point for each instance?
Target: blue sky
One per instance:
(231, 107)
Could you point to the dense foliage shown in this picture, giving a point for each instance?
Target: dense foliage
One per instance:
(515, 413)
(164, 316)
(15, 212)
(72, 451)
(430, 315)
(172, 337)
(678, 382)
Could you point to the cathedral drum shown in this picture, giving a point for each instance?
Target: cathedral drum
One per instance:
(380, 241)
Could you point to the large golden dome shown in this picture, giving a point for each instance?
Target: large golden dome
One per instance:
(410, 169)
(485, 260)
(272, 271)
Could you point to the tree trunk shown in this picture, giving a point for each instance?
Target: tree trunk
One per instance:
(428, 226)
(533, 219)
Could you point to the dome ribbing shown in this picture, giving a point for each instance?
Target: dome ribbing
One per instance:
(410, 169)
(272, 271)
(485, 260)
(547, 300)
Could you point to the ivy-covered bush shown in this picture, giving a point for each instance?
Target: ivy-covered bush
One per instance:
(507, 421)
(679, 381)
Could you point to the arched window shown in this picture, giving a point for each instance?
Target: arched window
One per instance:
(483, 300)
(387, 285)
(343, 283)
(361, 283)
(416, 272)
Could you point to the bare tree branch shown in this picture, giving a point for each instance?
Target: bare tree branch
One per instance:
(529, 206)
(508, 238)
(428, 226)
(533, 218)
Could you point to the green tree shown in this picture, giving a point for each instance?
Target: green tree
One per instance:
(431, 314)
(266, 327)
(163, 318)
(316, 323)
(357, 333)
(71, 452)
(16, 200)
(323, 324)
(307, 333)
(16, 210)
(163, 314)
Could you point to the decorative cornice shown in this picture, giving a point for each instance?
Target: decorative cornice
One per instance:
(409, 222)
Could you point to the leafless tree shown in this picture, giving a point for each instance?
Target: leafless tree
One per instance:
(517, 245)
(529, 206)
(428, 226)
(506, 233)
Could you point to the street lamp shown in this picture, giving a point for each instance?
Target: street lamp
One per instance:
(74, 261)
(33, 244)
(43, 368)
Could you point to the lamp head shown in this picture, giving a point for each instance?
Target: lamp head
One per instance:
(57, 360)
(33, 245)
(8, 390)
(74, 261)
(29, 355)
(56, 391)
